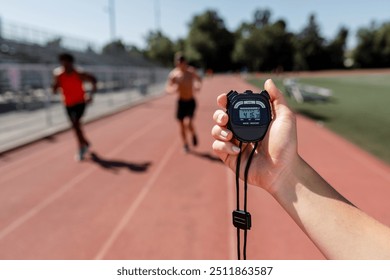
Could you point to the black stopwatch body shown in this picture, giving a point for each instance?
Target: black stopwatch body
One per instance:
(249, 115)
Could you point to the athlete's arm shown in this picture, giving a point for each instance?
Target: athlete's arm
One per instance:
(196, 78)
(171, 86)
(337, 228)
(55, 84)
(89, 78)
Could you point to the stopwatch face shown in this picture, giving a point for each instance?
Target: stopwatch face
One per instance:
(249, 115)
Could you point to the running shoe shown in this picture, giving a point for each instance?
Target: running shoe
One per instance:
(80, 156)
(195, 140)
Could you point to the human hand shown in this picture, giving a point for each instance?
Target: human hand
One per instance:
(275, 154)
(88, 98)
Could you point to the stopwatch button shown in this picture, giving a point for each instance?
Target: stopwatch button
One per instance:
(265, 93)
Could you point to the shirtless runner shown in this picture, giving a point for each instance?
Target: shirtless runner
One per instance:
(184, 80)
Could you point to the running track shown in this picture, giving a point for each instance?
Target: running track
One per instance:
(140, 197)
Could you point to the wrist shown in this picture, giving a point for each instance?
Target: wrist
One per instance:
(285, 184)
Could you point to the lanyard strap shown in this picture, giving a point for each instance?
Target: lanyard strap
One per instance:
(242, 218)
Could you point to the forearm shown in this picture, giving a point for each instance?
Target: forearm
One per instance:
(339, 229)
(170, 88)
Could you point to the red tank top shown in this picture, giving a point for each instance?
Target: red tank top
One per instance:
(72, 88)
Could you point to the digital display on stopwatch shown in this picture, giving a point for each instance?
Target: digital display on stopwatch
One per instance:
(249, 113)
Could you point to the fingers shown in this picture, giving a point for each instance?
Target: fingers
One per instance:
(221, 118)
(223, 149)
(220, 133)
(222, 146)
(222, 101)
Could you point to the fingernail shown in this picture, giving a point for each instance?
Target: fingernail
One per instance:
(220, 117)
(236, 149)
(224, 133)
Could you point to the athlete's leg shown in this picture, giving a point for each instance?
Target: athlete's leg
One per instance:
(184, 136)
(183, 133)
(81, 139)
(191, 128)
(75, 114)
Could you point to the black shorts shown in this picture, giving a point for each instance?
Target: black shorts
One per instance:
(185, 108)
(75, 112)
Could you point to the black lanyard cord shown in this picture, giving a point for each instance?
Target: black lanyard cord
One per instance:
(238, 165)
(246, 193)
(238, 197)
(246, 175)
(241, 219)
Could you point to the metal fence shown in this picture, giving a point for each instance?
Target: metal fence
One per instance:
(37, 35)
(28, 107)
(27, 83)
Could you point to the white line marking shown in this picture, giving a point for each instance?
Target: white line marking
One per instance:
(134, 206)
(17, 171)
(15, 168)
(231, 205)
(60, 192)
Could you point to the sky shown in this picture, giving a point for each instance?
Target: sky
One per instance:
(89, 19)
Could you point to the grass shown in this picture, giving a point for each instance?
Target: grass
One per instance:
(360, 110)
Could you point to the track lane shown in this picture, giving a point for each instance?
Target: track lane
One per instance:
(146, 199)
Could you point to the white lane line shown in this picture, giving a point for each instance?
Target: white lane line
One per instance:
(65, 188)
(134, 206)
(16, 170)
(231, 206)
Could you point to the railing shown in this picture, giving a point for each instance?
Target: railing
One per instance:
(27, 105)
(35, 35)
(30, 79)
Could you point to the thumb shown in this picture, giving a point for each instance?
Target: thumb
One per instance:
(280, 106)
(276, 96)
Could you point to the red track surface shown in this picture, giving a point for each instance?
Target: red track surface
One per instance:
(143, 198)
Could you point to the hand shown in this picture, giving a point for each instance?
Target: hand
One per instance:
(197, 87)
(275, 154)
(88, 98)
(171, 88)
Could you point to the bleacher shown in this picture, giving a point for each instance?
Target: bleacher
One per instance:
(303, 93)
(20, 43)
(12, 51)
(28, 55)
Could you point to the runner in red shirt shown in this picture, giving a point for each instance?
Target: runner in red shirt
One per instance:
(70, 80)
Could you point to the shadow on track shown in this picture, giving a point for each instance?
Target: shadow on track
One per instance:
(207, 156)
(116, 165)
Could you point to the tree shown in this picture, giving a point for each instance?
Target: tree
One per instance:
(373, 48)
(382, 45)
(262, 45)
(262, 17)
(159, 48)
(209, 44)
(310, 47)
(336, 50)
(114, 48)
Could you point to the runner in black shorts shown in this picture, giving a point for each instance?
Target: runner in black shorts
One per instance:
(70, 81)
(185, 108)
(184, 80)
(75, 112)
